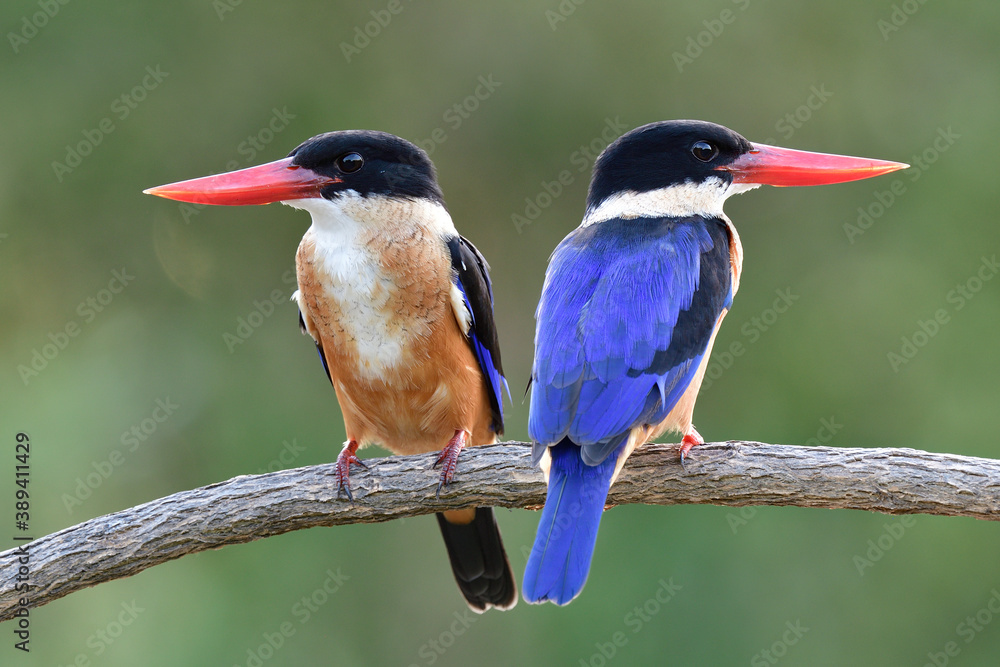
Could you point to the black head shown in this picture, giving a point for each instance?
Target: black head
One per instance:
(652, 157)
(370, 163)
(662, 154)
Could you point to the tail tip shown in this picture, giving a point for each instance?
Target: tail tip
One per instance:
(557, 596)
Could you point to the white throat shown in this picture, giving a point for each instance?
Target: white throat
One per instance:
(348, 235)
(675, 201)
(350, 210)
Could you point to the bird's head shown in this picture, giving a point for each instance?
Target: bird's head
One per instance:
(327, 168)
(680, 168)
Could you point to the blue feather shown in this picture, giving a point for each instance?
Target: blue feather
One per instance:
(497, 382)
(567, 532)
(611, 302)
(626, 314)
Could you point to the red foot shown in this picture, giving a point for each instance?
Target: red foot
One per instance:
(449, 457)
(690, 440)
(344, 460)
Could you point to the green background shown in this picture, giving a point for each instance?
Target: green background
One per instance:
(744, 578)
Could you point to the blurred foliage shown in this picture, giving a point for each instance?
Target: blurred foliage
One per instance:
(237, 83)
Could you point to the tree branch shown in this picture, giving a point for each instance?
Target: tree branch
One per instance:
(250, 507)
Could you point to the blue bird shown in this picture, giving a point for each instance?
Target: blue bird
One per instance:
(632, 302)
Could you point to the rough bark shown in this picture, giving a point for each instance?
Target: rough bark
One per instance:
(250, 507)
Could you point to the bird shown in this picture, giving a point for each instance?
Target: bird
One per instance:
(631, 304)
(400, 307)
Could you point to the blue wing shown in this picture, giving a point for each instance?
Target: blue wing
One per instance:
(625, 318)
(472, 277)
(626, 313)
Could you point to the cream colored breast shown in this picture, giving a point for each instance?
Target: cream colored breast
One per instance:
(375, 268)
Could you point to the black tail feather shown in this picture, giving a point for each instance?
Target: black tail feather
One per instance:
(479, 561)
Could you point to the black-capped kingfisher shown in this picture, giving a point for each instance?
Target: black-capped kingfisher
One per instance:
(401, 309)
(632, 302)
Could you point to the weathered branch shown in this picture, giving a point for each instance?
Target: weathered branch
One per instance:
(246, 508)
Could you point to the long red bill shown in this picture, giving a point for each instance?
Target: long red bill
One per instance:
(770, 165)
(264, 184)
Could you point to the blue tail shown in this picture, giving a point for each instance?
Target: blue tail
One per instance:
(564, 544)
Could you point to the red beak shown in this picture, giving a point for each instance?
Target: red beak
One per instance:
(264, 184)
(770, 165)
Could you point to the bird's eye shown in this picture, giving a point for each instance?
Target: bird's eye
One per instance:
(350, 162)
(704, 151)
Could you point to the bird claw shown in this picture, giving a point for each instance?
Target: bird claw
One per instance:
(691, 439)
(347, 456)
(449, 457)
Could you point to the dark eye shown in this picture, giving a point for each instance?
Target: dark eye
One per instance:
(350, 162)
(704, 151)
